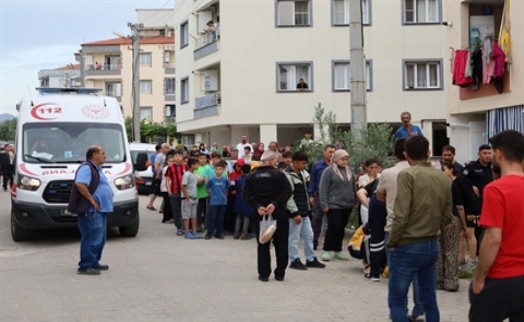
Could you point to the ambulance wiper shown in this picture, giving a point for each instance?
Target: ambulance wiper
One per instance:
(43, 160)
(70, 161)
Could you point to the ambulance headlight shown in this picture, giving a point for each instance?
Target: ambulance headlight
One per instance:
(28, 183)
(124, 182)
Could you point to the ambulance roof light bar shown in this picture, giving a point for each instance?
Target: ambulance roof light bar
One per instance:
(69, 90)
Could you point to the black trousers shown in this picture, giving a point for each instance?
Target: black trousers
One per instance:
(168, 213)
(280, 241)
(7, 179)
(317, 216)
(501, 298)
(201, 213)
(376, 223)
(337, 221)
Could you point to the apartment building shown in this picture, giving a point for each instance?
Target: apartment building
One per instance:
(477, 112)
(66, 76)
(108, 64)
(240, 76)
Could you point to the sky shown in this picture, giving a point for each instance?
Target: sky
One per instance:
(45, 34)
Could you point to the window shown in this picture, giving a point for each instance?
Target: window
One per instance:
(293, 12)
(422, 75)
(184, 90)
(340, 14)
(146, 113)
(146, 87)
(184, 34)
(169, 86)
(342, 76)
(421, 11)
(289, 75)
(113, 89)
(145, 59)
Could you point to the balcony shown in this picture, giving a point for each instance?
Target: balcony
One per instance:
(207, 44)
(169, 96)
(103, 70)
(207, 105)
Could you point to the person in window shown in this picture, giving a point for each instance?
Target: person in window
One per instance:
(302, 86)
(40, 146)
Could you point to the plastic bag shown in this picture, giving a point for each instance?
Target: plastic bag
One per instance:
(267, 228)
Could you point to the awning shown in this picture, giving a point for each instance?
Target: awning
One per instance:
(506, 118)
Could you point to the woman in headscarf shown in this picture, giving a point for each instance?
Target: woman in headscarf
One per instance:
(337, 199)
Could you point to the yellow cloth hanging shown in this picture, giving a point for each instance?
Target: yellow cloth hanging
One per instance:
(505, 27)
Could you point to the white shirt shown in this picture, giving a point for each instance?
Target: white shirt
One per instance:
(240, 148)
(388, 185)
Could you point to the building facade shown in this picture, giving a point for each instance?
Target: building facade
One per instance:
(478, 111)
(240, 76)
(66, 76)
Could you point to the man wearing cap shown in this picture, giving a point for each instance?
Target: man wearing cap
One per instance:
(240, 146)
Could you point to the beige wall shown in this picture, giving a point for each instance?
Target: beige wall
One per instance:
(251, 45)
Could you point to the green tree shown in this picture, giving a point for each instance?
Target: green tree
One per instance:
(8, 130)
(376, 140)
(152, 131)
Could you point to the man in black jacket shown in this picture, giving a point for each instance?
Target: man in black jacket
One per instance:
(267, 190)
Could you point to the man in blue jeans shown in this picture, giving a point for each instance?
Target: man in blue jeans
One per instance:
(422, 205)
(93, 189)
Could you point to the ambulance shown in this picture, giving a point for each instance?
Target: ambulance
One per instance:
(54, 130)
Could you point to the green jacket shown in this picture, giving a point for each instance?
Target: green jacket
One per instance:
(422, 206)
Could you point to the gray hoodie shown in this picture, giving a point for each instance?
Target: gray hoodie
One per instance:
(336, 193)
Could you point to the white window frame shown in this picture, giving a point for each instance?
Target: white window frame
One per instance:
(146, 87)
(146, 113)
(419, 10)
(345, 64)
(344, 21)
(294, 76)
(417, 74)
(291, 21)
(184, 90)
(184, 34)
(169, 86)
(145, 59)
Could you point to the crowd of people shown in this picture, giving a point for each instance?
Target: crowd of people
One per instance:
(423, 225)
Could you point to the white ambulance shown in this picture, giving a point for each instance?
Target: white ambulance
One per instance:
(54, 130)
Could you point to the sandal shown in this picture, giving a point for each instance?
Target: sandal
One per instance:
(151, 208)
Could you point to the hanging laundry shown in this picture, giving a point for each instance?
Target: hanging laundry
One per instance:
(498, 57)
(476, 58)
(459, 68)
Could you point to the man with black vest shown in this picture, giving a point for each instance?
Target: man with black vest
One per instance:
(92, 199)
(299, 210)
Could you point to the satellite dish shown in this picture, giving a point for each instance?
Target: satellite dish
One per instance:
(119, 35)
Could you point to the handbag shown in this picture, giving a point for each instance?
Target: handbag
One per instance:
(268, 226)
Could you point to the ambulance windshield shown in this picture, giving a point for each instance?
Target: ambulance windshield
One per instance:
(68, 142)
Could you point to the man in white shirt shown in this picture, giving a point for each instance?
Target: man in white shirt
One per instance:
(240, 146)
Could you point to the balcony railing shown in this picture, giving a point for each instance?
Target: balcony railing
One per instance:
(207, 39)
(207, 105)
(103, 69)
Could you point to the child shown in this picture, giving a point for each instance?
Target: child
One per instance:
(217, 189)
(242, 209)
(189, 203)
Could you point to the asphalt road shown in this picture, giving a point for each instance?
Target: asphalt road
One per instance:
(158, 276)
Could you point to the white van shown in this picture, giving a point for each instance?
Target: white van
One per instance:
(143, 179)
(54, 130)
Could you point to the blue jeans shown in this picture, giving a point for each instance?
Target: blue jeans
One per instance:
(93, 228)
(406, 261)
(305, 231)
(216, 219)
(418, 310)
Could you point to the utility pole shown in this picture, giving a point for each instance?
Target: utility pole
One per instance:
(135, 36)
(357, 70)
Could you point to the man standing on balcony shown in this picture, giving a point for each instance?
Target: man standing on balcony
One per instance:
(407, 129)
(240, 146)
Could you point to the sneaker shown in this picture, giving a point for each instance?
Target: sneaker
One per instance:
(208, 237)
(314, 263)
(263, 278)
(327, 256)
(341, 256)
(196, 235)
(219, 236)
(88, 271)
(189, 236)
(375, 279)
(179, 232)
(236, 235)
(297, 264)
(413, 318)
(279, 278)
(102, 267)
